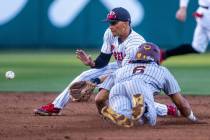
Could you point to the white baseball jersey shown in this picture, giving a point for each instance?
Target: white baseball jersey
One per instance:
(120, 50)
(110, 45)
(201, 36)
(157, 77)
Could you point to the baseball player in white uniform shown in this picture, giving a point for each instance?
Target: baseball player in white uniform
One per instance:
(142, 76)
(118, 39)
(201, 36)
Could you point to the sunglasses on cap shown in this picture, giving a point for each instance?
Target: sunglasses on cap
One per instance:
(113, 22)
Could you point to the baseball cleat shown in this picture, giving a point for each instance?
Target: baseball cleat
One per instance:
(138, 106)
(47, 110)
(116, 118)
(173, 111)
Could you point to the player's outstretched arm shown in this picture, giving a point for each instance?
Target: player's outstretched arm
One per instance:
(183, 106)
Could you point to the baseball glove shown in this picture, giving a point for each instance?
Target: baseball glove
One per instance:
(82, 90)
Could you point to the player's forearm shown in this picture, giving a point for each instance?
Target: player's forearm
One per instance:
(183, 106)
(187, 112)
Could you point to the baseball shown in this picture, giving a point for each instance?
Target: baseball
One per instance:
(10, 75)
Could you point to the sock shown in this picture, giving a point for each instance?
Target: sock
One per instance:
(161, 109)
(191, 117)
(180, 50)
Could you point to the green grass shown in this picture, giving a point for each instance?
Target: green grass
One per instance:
(192, 72)
(52, 71)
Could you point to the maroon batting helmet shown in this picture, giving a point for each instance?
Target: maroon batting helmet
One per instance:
(148, 52)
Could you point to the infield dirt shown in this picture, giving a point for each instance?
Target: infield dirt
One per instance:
(80, 121)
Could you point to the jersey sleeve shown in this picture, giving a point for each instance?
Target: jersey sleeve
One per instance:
(171, 85)
(106, 47)
(183, 3)
(108, 82)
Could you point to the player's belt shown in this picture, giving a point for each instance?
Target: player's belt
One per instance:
(205, 7)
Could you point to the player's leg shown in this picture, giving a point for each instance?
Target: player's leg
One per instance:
(180, 50)
(63, 98)
(138, 87)
(119, 109)
(199, 45)
(115, 102)
(208, 34)
(134, 90)
(166, 109)
(200, 39)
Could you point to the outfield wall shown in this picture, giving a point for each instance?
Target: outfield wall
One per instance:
(70, 24)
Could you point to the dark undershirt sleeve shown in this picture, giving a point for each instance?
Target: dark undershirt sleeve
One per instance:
(102, 60)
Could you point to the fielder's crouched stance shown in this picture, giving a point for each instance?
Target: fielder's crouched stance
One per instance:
(133, 85)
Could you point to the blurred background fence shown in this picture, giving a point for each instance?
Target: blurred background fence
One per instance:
(35, 27)
(78, 24)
